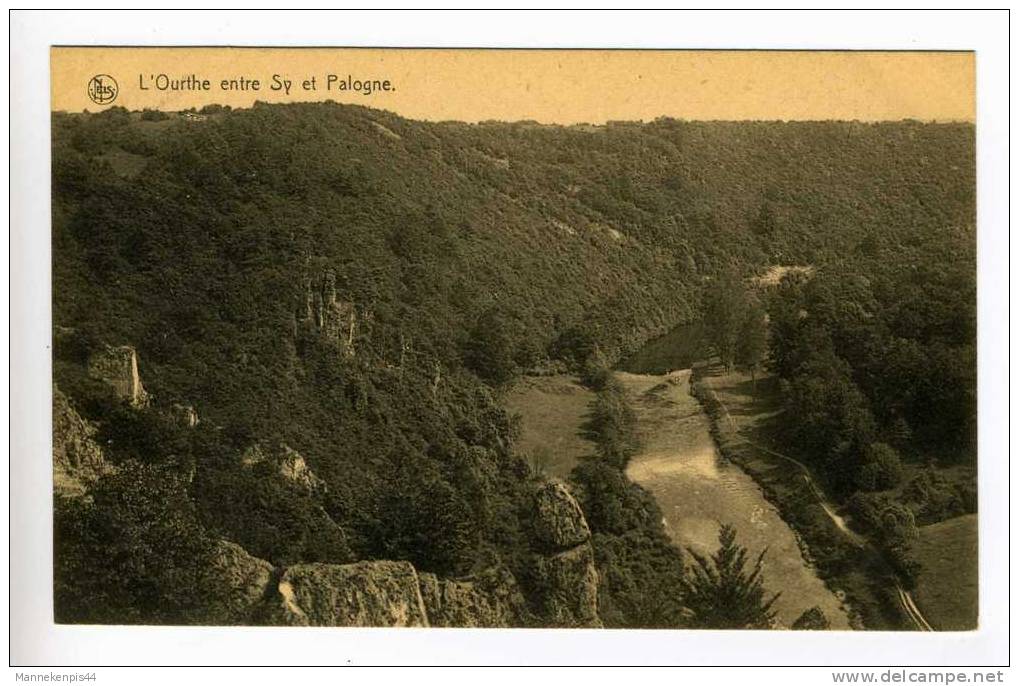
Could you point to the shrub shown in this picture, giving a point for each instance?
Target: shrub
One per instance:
(488, 351)
(153, 115)
(595, 372)
(144, 436)
(904, 563)
(935, 498)
(611, 503)
(638, 574)
(423, 519)
(574, 346)
(881, 470)
(263, 513)
(74, 345)
(833, 417)
(134, 554)
(892, 523)
(812, 620)
(612, 426)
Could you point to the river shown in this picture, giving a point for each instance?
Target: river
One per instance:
(698, 491)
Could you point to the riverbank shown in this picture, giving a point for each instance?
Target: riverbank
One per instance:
(697, 492)
(849, 567)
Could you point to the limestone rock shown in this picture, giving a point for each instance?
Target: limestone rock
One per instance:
(570, 581)
(375, 593)
(253, 455)
(567, 575)
(77, 458)
(492, 599)
(290, 464)
(185, 415)
(246, 578)
(118, 366)
(559, 521)
(294, 469)
(334, 319)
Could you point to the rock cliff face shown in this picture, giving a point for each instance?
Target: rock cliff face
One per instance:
(77, 458)
(377, 593)
(560, 522)
(367, 593)
(118, 366)
(388, 593)
(293, 468)
(290, 464)
(492, 599)
(334, 319)
(568, 576)
(185, 415)
(571, 588)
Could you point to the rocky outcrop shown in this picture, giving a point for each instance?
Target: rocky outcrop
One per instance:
(253, 455)
(245, 580)
(118, 366)
(185, 415)
(377, 593)
(290, 464)
(491, 599)
(559, 521)
(294, 469)
(568, 578)
(77, 458)
(570, 581)
(385, 593)
(334, 319)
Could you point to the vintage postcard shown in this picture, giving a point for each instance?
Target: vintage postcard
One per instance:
(619, 339)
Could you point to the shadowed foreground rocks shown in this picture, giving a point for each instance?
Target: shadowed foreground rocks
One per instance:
(77, 458)
(562, 584)
(568, 576)
(492, 599)
(375, 593)
(118, 366)
(246, 578)
(391, 593)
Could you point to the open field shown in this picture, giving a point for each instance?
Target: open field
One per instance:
(552, 410)
(947, 588)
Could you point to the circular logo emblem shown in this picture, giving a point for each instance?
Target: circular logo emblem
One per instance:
(102, 89)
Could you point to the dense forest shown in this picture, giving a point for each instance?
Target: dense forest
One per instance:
(359, 288)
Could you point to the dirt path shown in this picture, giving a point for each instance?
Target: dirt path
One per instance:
(904, 596)
(829, 509)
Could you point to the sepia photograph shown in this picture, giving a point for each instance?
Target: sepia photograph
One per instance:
(515, 338)
(322, 364)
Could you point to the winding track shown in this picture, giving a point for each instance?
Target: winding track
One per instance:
(905, 597)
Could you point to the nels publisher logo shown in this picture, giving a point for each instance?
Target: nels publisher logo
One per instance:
(102, 89)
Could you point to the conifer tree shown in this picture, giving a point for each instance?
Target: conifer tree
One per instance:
(721, 594)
